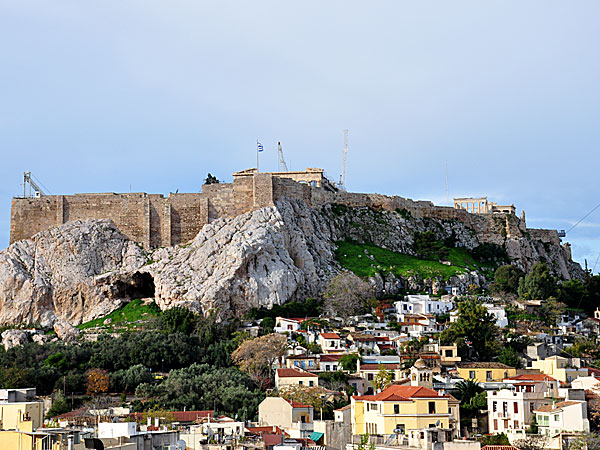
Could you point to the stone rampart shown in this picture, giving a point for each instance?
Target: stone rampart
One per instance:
(158, 221)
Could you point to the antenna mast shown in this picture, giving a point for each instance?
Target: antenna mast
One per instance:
(342, 183)
(282, 164)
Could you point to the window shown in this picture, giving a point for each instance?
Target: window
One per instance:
(431, 407)
(312, 383)
(334, 367)
(300, 382)
(310, 364)
(449, 354)
(494, 406)
(515, 407)
(516, 424)
(495, 424)
(370, 376)
(401, 427)
(488, 375)
(556, 418)
(396, 409)
(432, 425)
(472, 374)
(531, 407)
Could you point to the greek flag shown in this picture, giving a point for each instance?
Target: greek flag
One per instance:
(259, 146)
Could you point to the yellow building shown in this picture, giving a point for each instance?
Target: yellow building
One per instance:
(403, 410)
(485, 371)
(290, 377)
(19, 423)
(559, 368)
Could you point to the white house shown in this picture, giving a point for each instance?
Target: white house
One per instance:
(499, 313)
(283, 324)
(562, 417)
(510, 410)
(331, 343)
(422, 304)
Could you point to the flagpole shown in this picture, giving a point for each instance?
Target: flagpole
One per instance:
(257, 156)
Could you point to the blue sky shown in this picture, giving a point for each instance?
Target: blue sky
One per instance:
(101, 96)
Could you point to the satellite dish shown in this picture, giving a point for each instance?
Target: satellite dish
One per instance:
(437, 424)
(181, 445)
(397, 430)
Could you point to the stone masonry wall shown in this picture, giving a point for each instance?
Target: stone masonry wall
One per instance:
(157, 221)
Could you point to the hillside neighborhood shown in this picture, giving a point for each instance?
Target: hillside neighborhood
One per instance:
(449, 371)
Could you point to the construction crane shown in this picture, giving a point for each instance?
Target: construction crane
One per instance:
(28, 182)
(342, 183)
(282, 164)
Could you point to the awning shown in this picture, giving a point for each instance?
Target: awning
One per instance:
(315, 436)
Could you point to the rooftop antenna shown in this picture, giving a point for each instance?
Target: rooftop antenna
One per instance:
(342, 183)
(282, 164)
(29, 183)
(447, 191)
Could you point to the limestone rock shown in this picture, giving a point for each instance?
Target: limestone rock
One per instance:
(260, 258)
(66, 331)
(14, 338)
(40, 338)
(85, 269)
(51, 277)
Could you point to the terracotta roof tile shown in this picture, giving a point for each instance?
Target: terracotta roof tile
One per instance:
(402, 393)
(556, 407)
(330, 336)
(292, 373)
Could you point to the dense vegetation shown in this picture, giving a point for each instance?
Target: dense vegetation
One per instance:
(180, 341)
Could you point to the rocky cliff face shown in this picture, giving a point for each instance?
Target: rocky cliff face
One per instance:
(83, 270)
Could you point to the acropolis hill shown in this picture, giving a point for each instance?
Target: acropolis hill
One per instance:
(157, 221)
(264, 239)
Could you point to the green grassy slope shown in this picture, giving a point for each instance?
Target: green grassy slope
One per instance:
(126, 317)
(352, 256)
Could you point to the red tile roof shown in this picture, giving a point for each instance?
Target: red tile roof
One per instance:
(401, 393)
(293, 373)
(330, 336)
(179, 416)
(297, 404)
(330, 358)
(532, 377)
(265, 430)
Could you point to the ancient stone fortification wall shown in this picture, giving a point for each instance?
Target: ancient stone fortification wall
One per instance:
(157, 221)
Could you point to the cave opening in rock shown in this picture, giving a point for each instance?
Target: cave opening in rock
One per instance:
(140, 285)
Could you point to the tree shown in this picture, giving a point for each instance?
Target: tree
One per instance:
(257, 356)
(97, 381)
(348, 362)
(426, 246)
(211, 179)
(551, 310)
(382, 378)
(506, 278)
(347, 295)
(178, 320)
(474, 328)
(510, 357)
(59, 405)
(538, 283)
(494, 439)
(267, 325)
(203, 387)
(466, 391)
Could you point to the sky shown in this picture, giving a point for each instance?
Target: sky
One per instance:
(150, 96)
